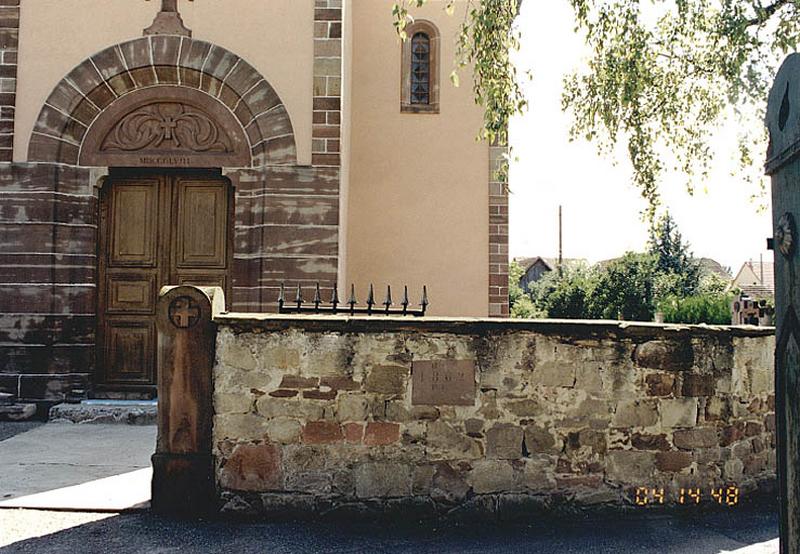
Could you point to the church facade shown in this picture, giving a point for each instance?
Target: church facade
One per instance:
(233, 143)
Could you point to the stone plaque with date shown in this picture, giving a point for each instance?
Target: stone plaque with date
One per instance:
(443, 382)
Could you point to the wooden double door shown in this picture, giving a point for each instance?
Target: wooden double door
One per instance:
(156, 229)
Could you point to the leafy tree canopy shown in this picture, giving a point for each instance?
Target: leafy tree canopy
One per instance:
(661, 77)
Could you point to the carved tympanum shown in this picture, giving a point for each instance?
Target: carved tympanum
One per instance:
(168, 126)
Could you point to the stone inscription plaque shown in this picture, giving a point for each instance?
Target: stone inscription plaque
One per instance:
(443, 382)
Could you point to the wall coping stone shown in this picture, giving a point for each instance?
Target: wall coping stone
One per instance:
(574, 327)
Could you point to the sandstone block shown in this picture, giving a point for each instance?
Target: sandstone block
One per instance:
(379, 433)
(560, 373)
(491, 476)
(322, 432)
(697, 437)
(664, 354)
(660, 384)
(352, 407)
(678, 412)
(444, 437)
(698, 385)
(673, 461)
(635, 413)
(504, 441)
(279, 357)
(382, 480)
(234, 352)
(448, 484)
(353, 432)
(226, 403)
(284, 430)
(312, 482)
(298, 382)
(629, 466)
(240, 427)
(588, 377)
(283, 393)
(253, 468)
(277, 407)
(474, 427)
(429, 413)
(387, 379)
(524, 408)
(423, 479)
(645, 441)
(340, 383)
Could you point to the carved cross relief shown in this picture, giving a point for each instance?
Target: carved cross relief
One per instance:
(168, 21)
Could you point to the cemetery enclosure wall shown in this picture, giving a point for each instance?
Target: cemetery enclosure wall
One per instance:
(322, 414)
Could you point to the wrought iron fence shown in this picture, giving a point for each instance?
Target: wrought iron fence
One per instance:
(317, 306)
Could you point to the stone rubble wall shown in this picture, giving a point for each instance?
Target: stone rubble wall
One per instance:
(313, 416)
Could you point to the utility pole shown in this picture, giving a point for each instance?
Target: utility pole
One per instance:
(560, 243)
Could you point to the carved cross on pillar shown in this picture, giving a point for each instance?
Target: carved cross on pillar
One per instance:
(168, 21)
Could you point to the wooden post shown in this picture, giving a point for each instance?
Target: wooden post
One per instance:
(783, 165)
(183, 468)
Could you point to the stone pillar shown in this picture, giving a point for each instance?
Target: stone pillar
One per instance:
(783, 165)
(183, 468)
(9, 40)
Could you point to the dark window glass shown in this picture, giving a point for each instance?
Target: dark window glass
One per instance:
(420, 69)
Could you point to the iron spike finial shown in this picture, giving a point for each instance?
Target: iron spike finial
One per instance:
(352, 300)
(299, 297)
(335, 296)
(405, 302)
(370, 299)
(317, 298)
(281, 298)
(424, 302)
(388, 300)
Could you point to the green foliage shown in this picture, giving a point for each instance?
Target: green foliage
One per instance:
(711, 308)
(485, 41)
(563, 295)
(679, 271)
(661, 77)
(625, 289)
(519, 301)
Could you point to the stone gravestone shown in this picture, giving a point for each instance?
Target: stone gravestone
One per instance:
(183, 469)
(783, 165)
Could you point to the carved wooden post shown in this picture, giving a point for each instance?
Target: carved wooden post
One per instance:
(783, 165)
(183, 470)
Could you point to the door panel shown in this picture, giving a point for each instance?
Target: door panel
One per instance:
(201, 237)
(156, 230)
(130, 293)
(129, 347)
(134, 220)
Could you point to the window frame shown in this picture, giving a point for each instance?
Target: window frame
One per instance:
(432, 107)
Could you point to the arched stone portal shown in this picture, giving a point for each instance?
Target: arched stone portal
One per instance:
(181, 102)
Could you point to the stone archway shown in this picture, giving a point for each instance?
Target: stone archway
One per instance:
(204, 77)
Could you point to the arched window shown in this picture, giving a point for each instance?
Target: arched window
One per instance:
(420, 82)
(421, 69)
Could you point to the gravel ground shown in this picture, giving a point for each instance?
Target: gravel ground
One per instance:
(23, 531)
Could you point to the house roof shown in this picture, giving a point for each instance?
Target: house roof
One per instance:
(549, 263)
(756, 273)
(709, 265)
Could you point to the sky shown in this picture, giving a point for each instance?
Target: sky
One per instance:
(601, 209)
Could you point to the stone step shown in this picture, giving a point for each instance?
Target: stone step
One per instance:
(17, 411)
(6, 398)
(126, 412)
